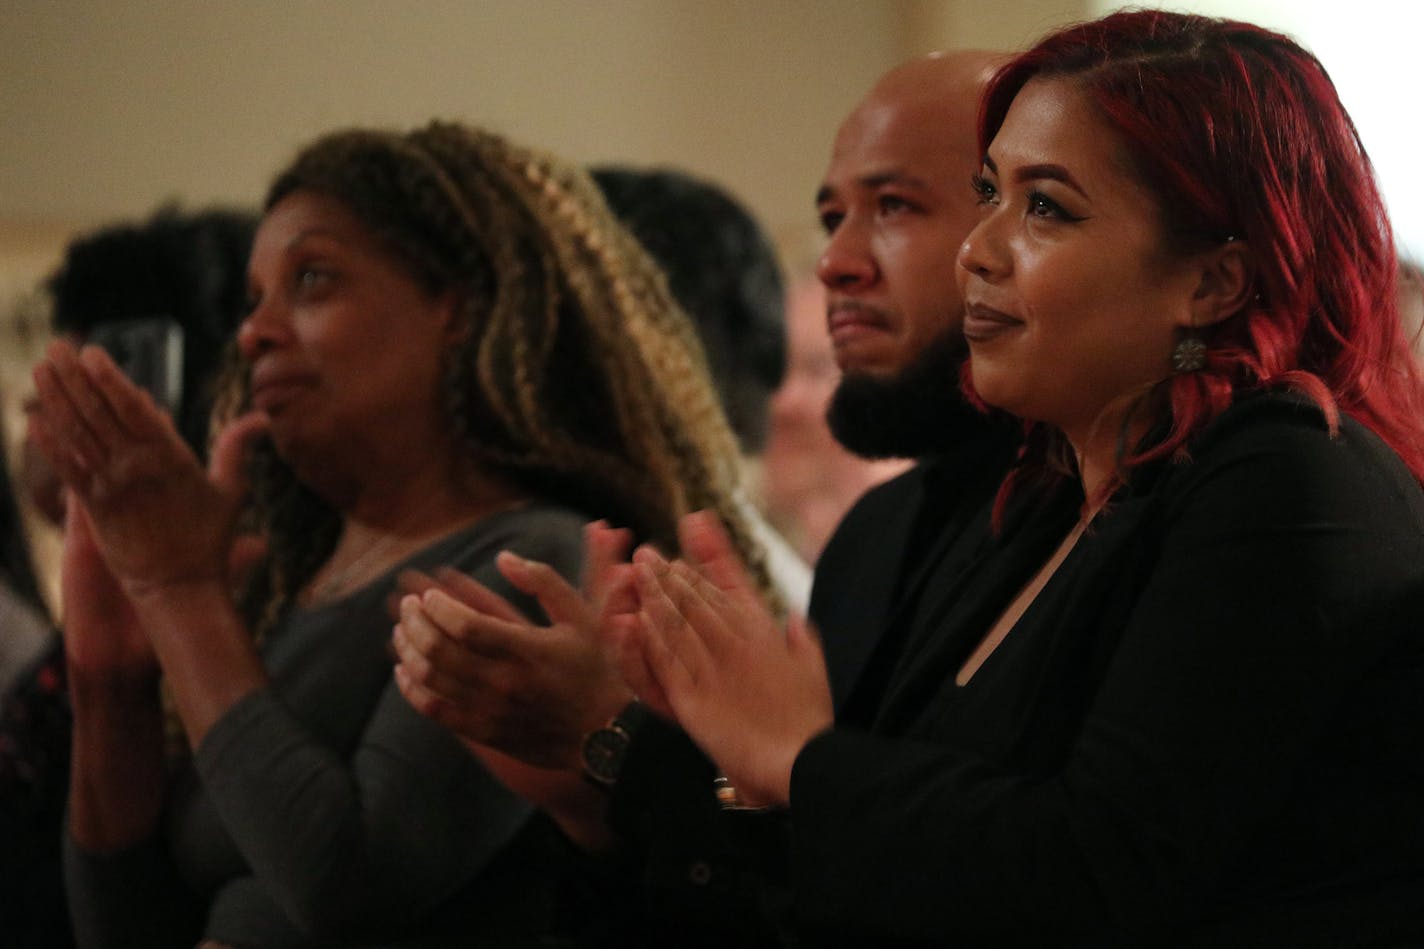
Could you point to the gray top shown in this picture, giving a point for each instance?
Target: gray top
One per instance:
(322, 809)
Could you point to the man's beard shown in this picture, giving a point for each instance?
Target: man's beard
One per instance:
(916, 412)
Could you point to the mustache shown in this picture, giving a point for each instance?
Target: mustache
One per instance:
(859, 308)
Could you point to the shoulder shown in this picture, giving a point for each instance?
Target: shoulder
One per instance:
(1286, 429)
(538, 531)
(963, 480)
(890, 494)
(1276, 451)
(537, 527)
(1286, 418)
(873, 512)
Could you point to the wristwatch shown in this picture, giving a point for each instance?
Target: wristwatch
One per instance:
(604, 749)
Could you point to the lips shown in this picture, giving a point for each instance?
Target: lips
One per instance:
(849, 321)
(983, 323)
(274, 386)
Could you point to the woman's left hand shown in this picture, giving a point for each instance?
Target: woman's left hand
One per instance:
(103, 639)
(749, 694)
(157, 517)
(471, 661)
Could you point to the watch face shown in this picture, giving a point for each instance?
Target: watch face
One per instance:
(603, 752)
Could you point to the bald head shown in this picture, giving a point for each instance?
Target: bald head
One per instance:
(925, 107)
(896, 204)
(948, 83)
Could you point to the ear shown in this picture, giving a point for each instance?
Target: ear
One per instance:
(1227, 278)
(455, 324)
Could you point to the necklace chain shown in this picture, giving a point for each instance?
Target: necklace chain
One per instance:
(347, 579)
(336, 584)
(342, 581)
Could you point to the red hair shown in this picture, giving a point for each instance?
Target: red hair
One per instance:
(1241, 134)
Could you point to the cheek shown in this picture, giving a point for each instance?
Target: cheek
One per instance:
(919, 256)
(961, 278)
(1052, 281)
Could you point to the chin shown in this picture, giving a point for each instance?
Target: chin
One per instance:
(290, 444)
(870, 362)
(999, 397)
(873, 372)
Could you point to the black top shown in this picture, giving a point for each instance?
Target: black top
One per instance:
(713, 879)
(889, 565)
(1208, 728)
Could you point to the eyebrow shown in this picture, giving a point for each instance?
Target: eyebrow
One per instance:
(298, 239)
(879, 179)
(301, 237)
(1040, 172)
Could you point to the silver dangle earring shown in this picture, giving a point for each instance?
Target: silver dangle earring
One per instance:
(1189, 355)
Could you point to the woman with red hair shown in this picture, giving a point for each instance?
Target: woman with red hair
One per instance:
(1180, 697)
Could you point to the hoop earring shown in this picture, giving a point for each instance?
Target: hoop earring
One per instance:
(1189, 355)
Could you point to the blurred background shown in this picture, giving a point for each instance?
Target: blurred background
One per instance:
(108, 109)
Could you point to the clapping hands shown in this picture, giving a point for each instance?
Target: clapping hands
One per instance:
(750, 693)
(690, 638)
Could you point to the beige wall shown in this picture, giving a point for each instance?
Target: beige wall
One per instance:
(110, 107)
(936, 24)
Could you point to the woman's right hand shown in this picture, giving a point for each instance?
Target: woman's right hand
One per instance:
(474, 663)
(750, 692)
(156, 516)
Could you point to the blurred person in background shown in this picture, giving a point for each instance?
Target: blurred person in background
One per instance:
(24, 619)
(721, 269)
(118, 284)
(809, 479)
(176, 279)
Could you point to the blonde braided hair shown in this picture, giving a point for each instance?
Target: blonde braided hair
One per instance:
(578, 375)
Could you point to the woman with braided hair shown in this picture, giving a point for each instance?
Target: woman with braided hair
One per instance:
(452, 350)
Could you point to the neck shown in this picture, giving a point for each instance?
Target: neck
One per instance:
(1094, 473)
(1097, 447)
(385, 523)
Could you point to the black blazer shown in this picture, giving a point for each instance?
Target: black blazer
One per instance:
(886, 571)
(1208, 729)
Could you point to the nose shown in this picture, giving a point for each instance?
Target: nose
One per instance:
(265, 328)
(982, 252)
(847, 262)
